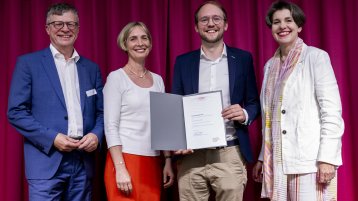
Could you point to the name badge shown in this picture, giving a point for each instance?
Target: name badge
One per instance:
(91, 92)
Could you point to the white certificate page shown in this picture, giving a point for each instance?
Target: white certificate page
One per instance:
(204, 125)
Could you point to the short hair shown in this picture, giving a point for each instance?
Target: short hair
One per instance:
(296, 12)
(124, 34)
(215, 3)
(60, 9)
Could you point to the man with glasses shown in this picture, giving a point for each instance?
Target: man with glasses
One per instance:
(56, 103)
(216, 66)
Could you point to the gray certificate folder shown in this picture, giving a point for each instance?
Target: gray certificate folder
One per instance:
(167, 121)
(186, 122)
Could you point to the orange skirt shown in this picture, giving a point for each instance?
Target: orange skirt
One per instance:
(146, 177)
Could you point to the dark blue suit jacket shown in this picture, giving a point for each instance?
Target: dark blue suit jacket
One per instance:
(37, 109)
(242, 84)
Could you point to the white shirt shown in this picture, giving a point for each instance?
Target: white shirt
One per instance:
(67, 72)
(127, 113)
(214, 76)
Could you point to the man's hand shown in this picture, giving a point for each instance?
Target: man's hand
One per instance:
(234, 112)
(89, 142)
(65, 143)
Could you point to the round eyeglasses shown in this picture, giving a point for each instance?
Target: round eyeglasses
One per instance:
(216, 20)
(61, 24)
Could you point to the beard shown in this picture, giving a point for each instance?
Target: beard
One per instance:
(211, 40)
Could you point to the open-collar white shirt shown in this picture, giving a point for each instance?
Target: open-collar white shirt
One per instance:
(214, 76)
(67, 72)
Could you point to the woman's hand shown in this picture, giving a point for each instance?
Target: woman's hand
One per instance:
(123, 179)
(168, 174)
(257, 172)
(183, 151)
(326, 172)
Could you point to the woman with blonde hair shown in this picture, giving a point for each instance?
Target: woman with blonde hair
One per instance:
(133, 170)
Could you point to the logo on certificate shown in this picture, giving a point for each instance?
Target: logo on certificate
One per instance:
(216, 139)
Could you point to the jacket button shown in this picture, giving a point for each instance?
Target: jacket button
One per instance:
(66, 117)
(283, 111)
(284, 132)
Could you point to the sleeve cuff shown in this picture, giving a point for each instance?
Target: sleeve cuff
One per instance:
(246, 117)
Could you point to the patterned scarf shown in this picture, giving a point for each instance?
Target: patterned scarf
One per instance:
(274, 181)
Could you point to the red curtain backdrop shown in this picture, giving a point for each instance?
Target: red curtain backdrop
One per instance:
(331, 25)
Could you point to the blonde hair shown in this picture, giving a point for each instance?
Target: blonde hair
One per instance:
(124, 34)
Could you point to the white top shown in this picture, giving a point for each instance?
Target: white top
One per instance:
(127, 113)
(214, 76)
(67, 72)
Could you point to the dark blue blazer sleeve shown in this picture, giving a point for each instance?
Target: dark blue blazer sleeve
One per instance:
(252, 100)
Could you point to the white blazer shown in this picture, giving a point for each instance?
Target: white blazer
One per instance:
(311, 114)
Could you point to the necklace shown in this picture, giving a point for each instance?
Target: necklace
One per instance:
(140, 76)
(282, 59)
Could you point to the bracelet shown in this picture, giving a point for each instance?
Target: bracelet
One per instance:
(119, 163)
(166, 157)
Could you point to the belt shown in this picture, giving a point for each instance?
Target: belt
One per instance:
(232, 143)
(229, 144)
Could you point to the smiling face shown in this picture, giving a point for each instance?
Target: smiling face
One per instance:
(138, 44)
(210, 29)
(64, 38)
(284, 29)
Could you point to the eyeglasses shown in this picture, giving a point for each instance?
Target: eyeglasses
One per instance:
(60, 25)
(216, 20)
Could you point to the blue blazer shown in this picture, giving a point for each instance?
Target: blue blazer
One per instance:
(37, 109)
(242, 85)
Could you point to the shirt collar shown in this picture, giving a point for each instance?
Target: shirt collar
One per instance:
(56, 54)
(203, 55)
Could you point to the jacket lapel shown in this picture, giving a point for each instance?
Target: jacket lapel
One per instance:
(297, 69)
(49, 66)
(81, 73)
(195, 71)
(233, 66)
